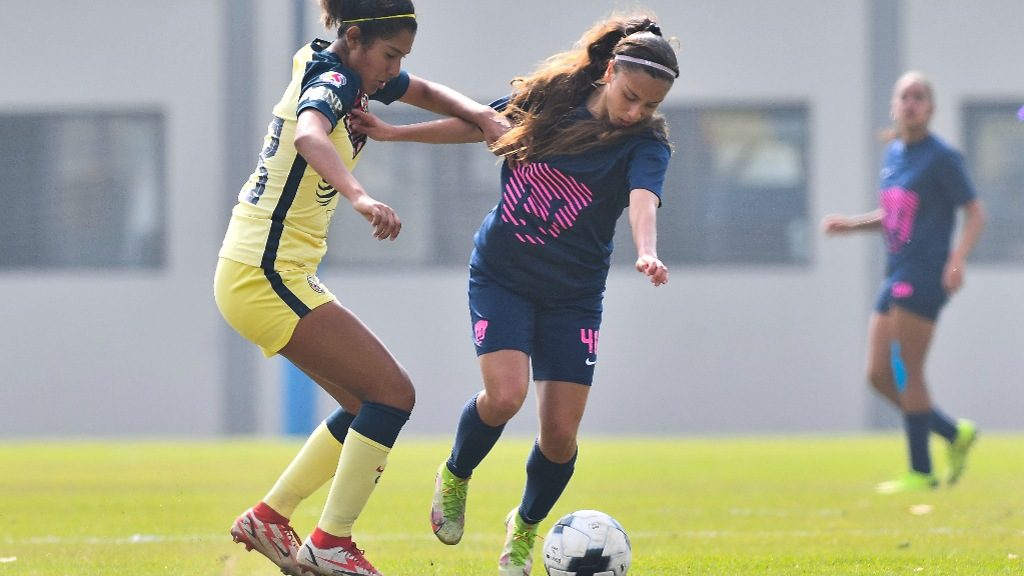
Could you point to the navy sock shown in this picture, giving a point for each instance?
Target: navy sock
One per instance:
(917, 428)
(943, 425)
(338, 423)
(473, 441)
(545, 481)
(380, 423)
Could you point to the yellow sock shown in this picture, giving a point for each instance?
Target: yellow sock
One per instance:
(359, 468)
(312, 467)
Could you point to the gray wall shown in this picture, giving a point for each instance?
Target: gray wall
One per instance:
(719, 350)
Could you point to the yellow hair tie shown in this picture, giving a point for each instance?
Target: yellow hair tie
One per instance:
(413, 16)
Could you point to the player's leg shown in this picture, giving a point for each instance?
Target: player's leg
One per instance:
(881, 335)
(548, 470)
(347, 359)
(565, 355)
(247, 298)
(506, 382)
(502, 324)
(914, 332)
(266, 526)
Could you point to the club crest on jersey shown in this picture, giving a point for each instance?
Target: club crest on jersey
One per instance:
(333, 78)
(315, 284)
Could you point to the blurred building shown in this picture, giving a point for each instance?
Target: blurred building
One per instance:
(127, 128)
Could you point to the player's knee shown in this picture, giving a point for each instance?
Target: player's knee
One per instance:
(558, 443)
(402, 393)
(503, 404)
(880, 378)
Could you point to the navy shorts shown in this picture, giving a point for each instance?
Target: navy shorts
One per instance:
(559, 336)
(924, 297)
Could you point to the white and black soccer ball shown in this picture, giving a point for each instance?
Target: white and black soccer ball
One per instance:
(587, 543)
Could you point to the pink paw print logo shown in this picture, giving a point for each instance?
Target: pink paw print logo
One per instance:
(902, 290)
(479, 332)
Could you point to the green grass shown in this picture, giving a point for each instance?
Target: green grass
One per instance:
(738, 506)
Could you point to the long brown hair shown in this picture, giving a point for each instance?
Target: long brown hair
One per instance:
(542, 104)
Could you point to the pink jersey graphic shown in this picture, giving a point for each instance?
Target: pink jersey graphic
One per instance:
(479, 332)
(900, 206)
(543, 202)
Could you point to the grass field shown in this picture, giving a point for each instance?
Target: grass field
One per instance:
(737, 506)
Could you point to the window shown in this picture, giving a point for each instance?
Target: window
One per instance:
(441, 193)
(735, 193)
(736, 189)
(82, 190)
(994, 153)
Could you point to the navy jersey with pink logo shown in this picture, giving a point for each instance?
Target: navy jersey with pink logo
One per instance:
(550, 235)
(923, 184)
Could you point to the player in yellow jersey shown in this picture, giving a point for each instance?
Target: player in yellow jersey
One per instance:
(266, 285)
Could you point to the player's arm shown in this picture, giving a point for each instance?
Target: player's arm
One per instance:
(974, 223)
(643, 218)
(313, 143)
(840, 224)
(442, 131)
(443, 100)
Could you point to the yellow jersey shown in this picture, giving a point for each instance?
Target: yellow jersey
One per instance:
(284, 209)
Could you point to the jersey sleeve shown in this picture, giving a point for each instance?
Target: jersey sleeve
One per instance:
(648, 164)
(329, 91)
(953, 178)
(500, 104)
(393, 90)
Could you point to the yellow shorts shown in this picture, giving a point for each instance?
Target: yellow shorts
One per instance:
(266, 307)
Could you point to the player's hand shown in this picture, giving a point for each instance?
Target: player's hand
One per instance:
(368, 123)
(385, 222)
(653, 268)
(953, 277)
(836, 224)
(493, 124)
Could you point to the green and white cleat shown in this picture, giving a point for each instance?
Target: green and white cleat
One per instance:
(966, 436)
(448, 509)
(912, 482)
(517, 556)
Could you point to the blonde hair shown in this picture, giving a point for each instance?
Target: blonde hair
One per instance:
(906, 79)
(542, 105)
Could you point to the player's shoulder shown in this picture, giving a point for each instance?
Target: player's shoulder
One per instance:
(651, 141)
(941, 146)
(325, 68)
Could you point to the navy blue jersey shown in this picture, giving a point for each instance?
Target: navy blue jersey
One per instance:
(923, 184)
(550, 235)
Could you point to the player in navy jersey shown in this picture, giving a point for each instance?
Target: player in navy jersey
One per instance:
(923, 185)
(586, 142)
(266, 285)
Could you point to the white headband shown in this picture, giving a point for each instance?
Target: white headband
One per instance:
(643, 62)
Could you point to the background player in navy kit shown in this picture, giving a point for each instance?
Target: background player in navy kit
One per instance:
(266, 286)
(923, 185)
(585, 143)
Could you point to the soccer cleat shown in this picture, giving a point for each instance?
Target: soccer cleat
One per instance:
(517, 556)
(278, 542)
(448, 509)
(345, 560)
(912, 482)
(966, 435)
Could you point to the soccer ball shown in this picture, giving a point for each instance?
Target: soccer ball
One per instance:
(587, 543)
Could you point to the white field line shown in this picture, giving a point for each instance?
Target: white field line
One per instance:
(420, 536)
